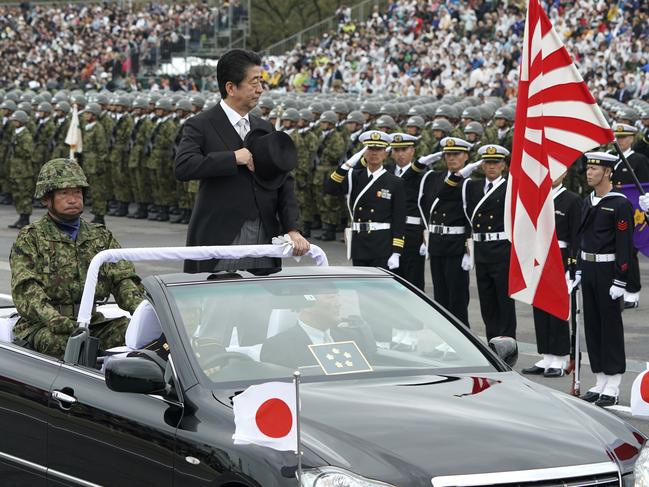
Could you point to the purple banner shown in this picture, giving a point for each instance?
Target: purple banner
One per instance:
(640, 229)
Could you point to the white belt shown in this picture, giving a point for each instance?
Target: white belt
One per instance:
(443, 230)
(369, 227)
(489, 237)
(588, 257)
(413, 220)
(563, 244)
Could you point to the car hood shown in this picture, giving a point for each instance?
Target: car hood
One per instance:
(408, 430)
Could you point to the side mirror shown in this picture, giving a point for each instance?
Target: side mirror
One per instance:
(134, 374)
(506, 348)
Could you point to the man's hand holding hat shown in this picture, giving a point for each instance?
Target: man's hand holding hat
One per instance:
(244, 158)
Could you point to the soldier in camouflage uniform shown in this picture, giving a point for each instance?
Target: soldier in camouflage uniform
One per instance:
(49, 261)
(95, 148)
(306, 143)
(331, 148)
(20, 168)
(44, 135)
(62, 114)
(6, 109)
(139, 174)
(160, 160)
(354, 122)
(118, 157)
(415, 127)
(502, 131)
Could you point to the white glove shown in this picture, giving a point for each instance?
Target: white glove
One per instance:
(616, 292)
(467, 262)
(469, 168)
(643, 201)
(423, 250)
(430, 158)
(393, 261)
(353, 160)
(572, 284)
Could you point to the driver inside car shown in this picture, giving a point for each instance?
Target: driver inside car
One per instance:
(319, 321)
(49, 261)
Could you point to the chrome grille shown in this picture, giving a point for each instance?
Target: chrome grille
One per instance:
(598, 474)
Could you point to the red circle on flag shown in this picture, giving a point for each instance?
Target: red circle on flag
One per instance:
(274, 418)
(644, 388)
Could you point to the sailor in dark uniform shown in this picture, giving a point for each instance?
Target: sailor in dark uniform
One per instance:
(483, 201)
(606, 245)
(447, 228)
(411, 265)
(552, 333)
(625, 135)
(376, 201)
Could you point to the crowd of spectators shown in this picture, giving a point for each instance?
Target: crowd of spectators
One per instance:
(467, 47)
(94, 45)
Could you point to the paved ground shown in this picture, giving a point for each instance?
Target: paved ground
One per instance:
(137, 233)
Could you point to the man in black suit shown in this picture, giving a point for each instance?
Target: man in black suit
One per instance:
(231, 206)
(318, 322)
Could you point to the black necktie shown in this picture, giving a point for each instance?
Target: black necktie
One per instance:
(489, 186)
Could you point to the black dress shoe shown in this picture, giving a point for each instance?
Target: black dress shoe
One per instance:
(552, 372)
(631, 304)
(605, 401)
(590, 396)
(533, 370)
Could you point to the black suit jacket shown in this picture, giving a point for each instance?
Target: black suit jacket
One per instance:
(228, 194)
(411, 181)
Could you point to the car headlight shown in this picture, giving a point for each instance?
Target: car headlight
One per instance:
(336, 477)
(641, 470)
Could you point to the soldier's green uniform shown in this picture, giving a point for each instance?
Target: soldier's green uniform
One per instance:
(139, 175)
(42, 142)
(60, 148)
(306, 143)
(505, 138)
(183, 197)
(160, 161)
(330, 150)
(118, 162)
(21, 171)
(95, 149)
(48, 272)
(5, 142)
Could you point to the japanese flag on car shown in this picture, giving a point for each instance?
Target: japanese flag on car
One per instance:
(640, 394)
(265, 414)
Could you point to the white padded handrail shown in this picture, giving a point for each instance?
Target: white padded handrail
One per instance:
(180, 253)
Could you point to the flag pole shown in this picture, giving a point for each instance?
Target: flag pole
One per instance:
(636, 181)
(296, 380)
(576, 377)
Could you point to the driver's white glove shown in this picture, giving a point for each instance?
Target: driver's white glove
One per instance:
(467, 262)
(643, 201)
(572, 284)
(353, 160)
(469, 168)
(616, 292)
(430, 158)
(393, 261)
(423, 250)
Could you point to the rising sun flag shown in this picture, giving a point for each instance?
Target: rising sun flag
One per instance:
(557, 120)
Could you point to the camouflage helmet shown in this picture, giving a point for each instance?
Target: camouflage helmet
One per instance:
(256, 111)
(59, 174)
(198, 101)
(473, 113)
(25, 106)
(416, 121)
(417, 110)
(46, 95)
(316, 107)
(267, 103)
(184, 104)
(306, 114)
(19, 116)
(290, 114)
(27, 96)
(340, 107)
(443, 125)
(13, 96)
(62, 106)
(474, 128)
(355, 117)
(328, 116)
(209, 104)
(37, 100)
(141, 103)
(445, 111)
(369, 107)
(390, 110)
(164, 104)
(9, 105)
(79, 100)
(505, 113)
(274, 113)
(45, 107)
(94, 108)
(386, 121)
(123, 100)
(626, 113)
(102, 99)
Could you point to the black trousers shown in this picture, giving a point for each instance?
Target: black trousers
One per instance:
(552, 334)
(412, 265)
(633, 274)
(602, 319)
(496, 307)
(451, 285)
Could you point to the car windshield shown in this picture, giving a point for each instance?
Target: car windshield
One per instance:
(325, 327)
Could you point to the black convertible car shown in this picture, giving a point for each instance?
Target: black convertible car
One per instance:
(436, 407)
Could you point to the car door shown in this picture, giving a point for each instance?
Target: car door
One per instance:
(25, 381)
(100, 437)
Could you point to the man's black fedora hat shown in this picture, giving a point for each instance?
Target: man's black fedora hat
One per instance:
(274, 155)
